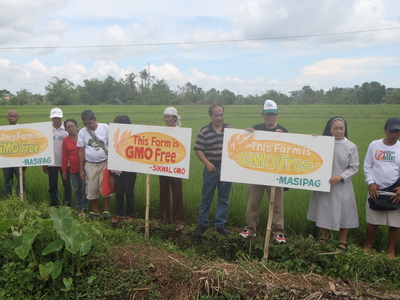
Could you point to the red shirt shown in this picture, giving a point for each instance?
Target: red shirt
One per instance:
(70, 155)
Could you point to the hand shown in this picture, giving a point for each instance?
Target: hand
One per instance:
(210, 167)
(82, 175)
(279, 130)
(335, 179)
(396, 197)
(373, 190)
(250, 129)
(64, 175)
(45, 169)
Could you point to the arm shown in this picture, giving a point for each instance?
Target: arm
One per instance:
(353, 164)
(65, 159)
(82, 163)
(368, 165)
(210, 166)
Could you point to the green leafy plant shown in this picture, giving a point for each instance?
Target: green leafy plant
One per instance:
(49, 247)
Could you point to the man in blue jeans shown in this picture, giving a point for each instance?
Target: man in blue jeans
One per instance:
(59, 134)
(208, 149)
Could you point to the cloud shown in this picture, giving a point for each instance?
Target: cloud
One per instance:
(270, 18)
(247, 66)
(348, 67)
(21, 21)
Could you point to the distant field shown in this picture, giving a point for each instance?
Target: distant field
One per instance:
(365, 124)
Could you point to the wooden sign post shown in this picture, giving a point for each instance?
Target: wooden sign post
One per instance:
(269, 223)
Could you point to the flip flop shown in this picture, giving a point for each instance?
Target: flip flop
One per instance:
(117, 219)
(342, 246)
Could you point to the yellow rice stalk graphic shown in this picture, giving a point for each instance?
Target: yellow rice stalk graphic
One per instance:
(121, 142)
(237, 143)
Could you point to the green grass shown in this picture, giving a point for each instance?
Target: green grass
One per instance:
(365, 124)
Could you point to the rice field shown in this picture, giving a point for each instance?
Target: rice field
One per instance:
(365, 123)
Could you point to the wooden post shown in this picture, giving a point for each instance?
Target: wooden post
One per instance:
(269, 223)
(21, 183)
(147, 213)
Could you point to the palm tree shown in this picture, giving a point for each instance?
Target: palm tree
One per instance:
(146, 77)
(130, 79)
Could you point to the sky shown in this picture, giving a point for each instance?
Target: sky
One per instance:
(245, 46)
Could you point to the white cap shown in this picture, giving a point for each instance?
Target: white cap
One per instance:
(173, 112)
(56, 113)
(270, 107)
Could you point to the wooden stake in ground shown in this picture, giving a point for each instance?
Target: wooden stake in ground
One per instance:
(21, 184)
(269, 223)
(147, 213)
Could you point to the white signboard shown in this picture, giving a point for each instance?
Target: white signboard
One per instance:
(148, 149)
(24, 145)
(277, 159)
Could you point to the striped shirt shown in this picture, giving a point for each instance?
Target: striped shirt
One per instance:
(210, 142)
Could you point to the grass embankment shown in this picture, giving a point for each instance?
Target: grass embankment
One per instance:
(55, 254)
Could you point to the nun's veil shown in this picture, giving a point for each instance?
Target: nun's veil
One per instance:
(327, 130)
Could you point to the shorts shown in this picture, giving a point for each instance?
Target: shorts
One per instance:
(94, 177)
(383, 217)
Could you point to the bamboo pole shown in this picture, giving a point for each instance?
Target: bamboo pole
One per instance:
(269, 223)
(21, 184)
(147, 213)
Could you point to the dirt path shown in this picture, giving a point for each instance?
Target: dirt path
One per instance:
(175, 277)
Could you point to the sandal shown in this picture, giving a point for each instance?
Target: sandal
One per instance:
(179, 227)
(342, 246)
(321, 241)
(128, 219)
(117, 219)
(106, 214)
(92, 215)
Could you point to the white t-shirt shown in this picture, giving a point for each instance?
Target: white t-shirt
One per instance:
(58, 137)
(93, 152)
(382, 164)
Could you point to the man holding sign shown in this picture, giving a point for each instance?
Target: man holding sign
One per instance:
(255, 192)
(12, 117)
(209, 150)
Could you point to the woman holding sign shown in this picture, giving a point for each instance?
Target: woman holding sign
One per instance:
(124, 186)
(171, 185)
(337, 210)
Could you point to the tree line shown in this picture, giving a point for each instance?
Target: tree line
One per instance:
(145, 89)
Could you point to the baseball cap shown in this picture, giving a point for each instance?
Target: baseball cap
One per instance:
(392, 124)
(56, 113)
(270, 107)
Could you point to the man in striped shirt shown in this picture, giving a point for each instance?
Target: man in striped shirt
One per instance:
(208, 149)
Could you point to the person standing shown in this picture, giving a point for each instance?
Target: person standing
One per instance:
(59, 134)
(124, 185)
(208, 149)
(172, 185)
(9, 173)
(255, 192)
(337, 209)
(93, 153)
(381, 170)
(70, 163)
